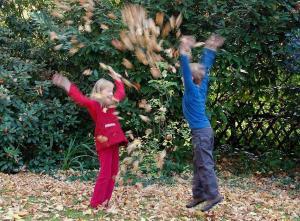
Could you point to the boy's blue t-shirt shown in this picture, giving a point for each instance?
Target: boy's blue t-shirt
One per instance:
(194, 98)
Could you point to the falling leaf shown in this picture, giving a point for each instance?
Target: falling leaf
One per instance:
(126, 41)
(69, 22)
(102, 139)
(103, 66)
(87, 72)
(166, 30)
(159, 19)
(118, 45)
(53, 36)
(141, 56)
(178, 20)
(178, 34)
(145, 118)
(104, 27)
(58, 47)
(57, 14)
(130, 134)
(172, 22)
(112, 16)
(127, 63)
(87, 28)
(155, 72)
(81, 45)
(148, 132)
(243, 71)
(73, 51)
(133, 145)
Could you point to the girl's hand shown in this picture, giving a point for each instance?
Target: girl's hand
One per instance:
(114, 74)
(214, 42)
(61, 81)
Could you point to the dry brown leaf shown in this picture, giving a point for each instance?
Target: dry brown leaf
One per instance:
(58, 47)
(155, 72)
(145, 118)
(127, 63)
(104, 27)
(159, 19)
(172, 22)
(102, 139)
(87, 72)
(73, 51)
(118, 45)
(53, 36)
(112, 16)
(166, 30)
(178, 20)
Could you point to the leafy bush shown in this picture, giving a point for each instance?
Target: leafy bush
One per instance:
(252, 100)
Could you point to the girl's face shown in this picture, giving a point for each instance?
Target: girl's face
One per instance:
(107, 94)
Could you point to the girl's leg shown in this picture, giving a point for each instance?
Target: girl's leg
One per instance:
(103, 181)
(114, 170)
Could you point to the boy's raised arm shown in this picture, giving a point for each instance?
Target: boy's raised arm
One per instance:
(209, 53)
(185, 49)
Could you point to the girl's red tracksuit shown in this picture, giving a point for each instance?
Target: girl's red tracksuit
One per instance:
(107, 125)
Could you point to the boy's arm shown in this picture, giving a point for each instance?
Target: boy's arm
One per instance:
(209, 54)
(208, 58)
(186, 72)
(185, 53)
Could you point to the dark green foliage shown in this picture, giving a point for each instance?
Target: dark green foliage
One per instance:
(253, 100)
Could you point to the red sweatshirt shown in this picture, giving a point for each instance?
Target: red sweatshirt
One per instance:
(107, 123)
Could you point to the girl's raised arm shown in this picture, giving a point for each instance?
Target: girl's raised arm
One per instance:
(72, 91)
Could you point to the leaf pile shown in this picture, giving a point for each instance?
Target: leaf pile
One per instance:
(27, 196)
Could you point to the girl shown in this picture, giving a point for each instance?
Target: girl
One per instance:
(108, 133)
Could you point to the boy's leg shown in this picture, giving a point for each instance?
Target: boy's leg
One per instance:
(197, 185)
(204, 163)
(114, 170)
(103, 179)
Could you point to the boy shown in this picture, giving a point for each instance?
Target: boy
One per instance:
(195, 78)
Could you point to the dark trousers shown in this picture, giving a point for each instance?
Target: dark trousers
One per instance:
(205, 184)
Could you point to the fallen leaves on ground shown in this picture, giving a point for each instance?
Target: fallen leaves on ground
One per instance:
(28, 196)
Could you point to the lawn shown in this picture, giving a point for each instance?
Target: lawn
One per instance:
(29, 196)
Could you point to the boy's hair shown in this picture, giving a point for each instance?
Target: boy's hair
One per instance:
(197, 74)
(99, 86)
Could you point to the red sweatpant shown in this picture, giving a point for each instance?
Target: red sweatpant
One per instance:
(109, 162)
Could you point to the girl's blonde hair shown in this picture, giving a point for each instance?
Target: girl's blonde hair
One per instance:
(98, 87)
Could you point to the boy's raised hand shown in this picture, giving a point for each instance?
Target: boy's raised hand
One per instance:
(187, 42)
(214, 42)
(61, 81)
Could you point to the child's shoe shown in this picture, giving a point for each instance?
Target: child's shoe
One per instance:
(194, 202)
(211, 203)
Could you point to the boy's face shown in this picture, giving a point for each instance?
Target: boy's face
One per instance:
(201, 69)
(198, 74)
